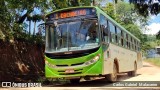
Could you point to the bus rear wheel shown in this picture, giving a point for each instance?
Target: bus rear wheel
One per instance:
(134, 72)
(113, 76)
(74, 81)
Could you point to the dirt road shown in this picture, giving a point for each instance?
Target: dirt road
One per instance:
(148, 72)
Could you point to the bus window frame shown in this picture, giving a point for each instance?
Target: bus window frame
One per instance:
(102, 30)
(112, 32)
(121, 37)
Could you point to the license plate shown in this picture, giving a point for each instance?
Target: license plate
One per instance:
(69, 71)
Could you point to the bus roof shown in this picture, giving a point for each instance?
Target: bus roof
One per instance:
(98, 10)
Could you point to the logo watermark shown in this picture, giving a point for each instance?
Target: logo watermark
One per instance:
(137, 84)
(6, 84)
(20, 85)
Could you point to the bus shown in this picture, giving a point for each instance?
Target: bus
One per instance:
(85, 42)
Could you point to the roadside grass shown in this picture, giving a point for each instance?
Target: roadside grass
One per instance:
(154, 61)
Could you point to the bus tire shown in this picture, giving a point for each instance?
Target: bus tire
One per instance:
(74, 81)
(113, 76)
(134, 72)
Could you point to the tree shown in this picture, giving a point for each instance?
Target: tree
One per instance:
(20, 6)
(144, 7)
(149, 42)
(158, 35)
(5, 21)
(109, 9)
(35, 18)
(127, 17)
(158, 42)
(44, 5)
(29, 19)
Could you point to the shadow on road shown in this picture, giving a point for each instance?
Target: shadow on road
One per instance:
(147, 66)
(92, 83)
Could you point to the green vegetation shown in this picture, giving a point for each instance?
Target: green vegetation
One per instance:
(158, 35)
(12, 20)
(155, 61)
(150, 42)
(127, 17)
(16, 18)
(144, 7)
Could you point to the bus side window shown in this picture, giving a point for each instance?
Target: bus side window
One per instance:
(116, 38)
(135, 45)
(104, 28)
(122, 38)
(112, 32)
(132, 43)
(127, 41)
(118, 35)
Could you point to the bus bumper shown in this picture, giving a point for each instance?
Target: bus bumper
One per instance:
(91, 70)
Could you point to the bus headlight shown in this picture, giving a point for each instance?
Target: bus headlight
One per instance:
(95, 59)
(50, 65)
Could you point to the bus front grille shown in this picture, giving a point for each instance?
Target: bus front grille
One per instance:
(61, 65)
(65, 65)
(70, 73)
(77, 64)
(77, 71)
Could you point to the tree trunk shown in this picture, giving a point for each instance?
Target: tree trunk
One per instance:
(29, 27)
(34, 28)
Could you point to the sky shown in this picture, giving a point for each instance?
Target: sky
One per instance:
(154, 25)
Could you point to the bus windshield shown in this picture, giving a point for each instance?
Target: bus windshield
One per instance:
(72, 36)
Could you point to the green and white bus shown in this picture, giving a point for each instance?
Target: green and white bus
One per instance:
(86, 42)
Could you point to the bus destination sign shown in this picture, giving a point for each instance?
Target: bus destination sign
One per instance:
(71, 13)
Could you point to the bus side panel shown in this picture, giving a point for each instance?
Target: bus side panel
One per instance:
(126, 59)
(139, 60)
(108, 64)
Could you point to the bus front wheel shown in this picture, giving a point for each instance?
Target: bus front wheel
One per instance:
(113, 76)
